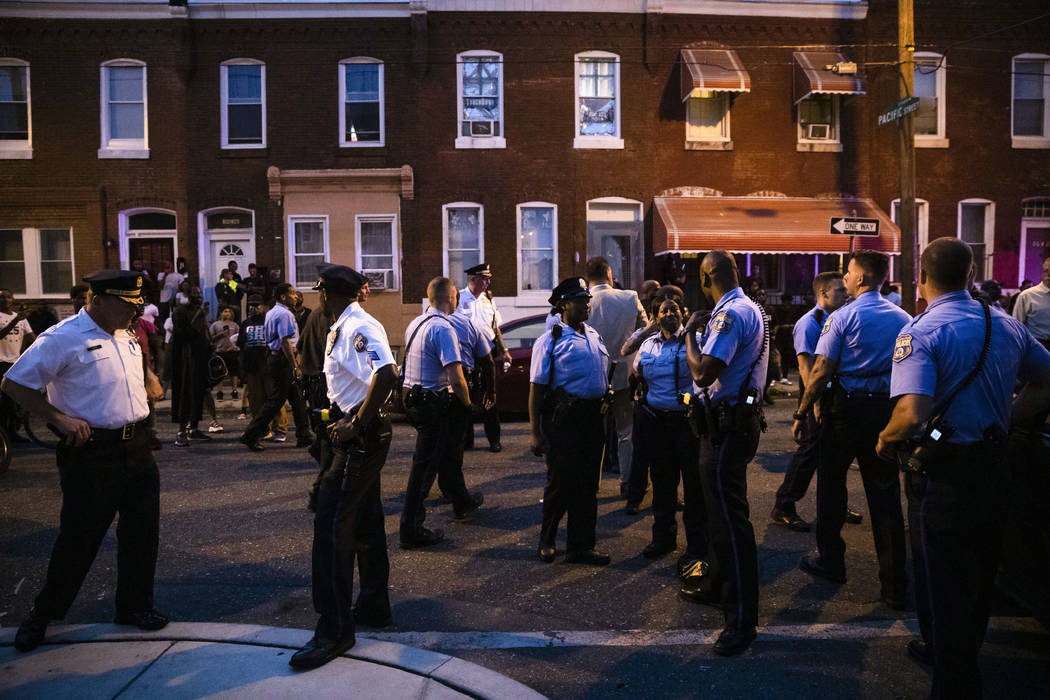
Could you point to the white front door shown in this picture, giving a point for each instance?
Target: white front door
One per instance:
(223, 252)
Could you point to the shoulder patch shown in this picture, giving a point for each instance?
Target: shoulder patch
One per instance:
(333, 336)
(722, 322)
(902, 348)
(827, 326)
(360, 342)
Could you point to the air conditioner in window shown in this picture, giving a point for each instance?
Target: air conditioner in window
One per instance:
(484, 129)
(818, 132)
(380, 279)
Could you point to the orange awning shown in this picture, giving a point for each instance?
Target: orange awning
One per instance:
(812, 77)
(717, 70)
(765, 225)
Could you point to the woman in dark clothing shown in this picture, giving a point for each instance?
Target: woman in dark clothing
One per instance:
(191, 348)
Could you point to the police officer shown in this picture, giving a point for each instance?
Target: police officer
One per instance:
(662, 369)
(348, 522)
(957, 485)
(433, 382)
(91, 367)
(830, 293)
(730, 371)
(476, 300)
(569, 380)
(854, 354)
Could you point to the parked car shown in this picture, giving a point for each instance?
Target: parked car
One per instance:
(512, 386)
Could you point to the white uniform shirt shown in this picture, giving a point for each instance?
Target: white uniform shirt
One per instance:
(11, 344)
(482, 310)
(1032, 308)
(357, 347)
(87, 372)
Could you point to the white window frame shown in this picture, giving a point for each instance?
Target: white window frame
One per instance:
(984, 267)
(479, 141)
(832, 144)
(444, 232)
(1031, 141)
(596, 141)
(31, 252)
(224, 102)
(940, 139)
(122, 148)
(922, 225)
(293, 219)
(127, 234)
(720, 143)
(343, 142)
(20, 149)
(395, 248)
(539, 293)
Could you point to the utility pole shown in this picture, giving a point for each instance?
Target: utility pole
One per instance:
(906, 210)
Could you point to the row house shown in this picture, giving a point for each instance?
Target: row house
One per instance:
(412, 139)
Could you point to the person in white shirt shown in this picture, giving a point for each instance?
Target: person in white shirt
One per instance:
(1032, 308)
(15, 336)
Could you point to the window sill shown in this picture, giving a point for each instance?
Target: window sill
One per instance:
(481, 142)
(16, 153)
(608, 142)
(1033, 142)
(826, 147)
(931, 142)
(118, 153)
(362, 144)
(708, 145)
(243, 147)
(244, 153)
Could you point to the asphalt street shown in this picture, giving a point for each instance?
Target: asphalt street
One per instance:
(235, 547)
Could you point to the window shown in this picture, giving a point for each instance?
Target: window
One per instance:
(537, 247)
(243, 96)
(377, 250)
(707, 117)
(977, 227)
(1031, 118)
(818, 123)
(15, 124)
(930, 80)
(479, 79)
(922, 220)
(598, 100)
(307, 248)
(1036, 207)
(37, 262)
(464, 239)
(124, 124)
(361, 103)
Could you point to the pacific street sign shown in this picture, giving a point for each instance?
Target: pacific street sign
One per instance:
(896, 111)
(854, 227)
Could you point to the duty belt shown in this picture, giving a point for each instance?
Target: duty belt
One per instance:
(121, 434)
(867, 395)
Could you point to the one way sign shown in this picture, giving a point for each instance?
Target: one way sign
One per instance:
(854, 227)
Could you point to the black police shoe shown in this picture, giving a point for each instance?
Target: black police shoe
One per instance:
(632, 508)
(789, 519)
(31, 632)
(148, 620)
(546, 553)
(587, 556)
(495, 447)
(919, 651)
(694, 593)
(253, 445)
(319, 651)
(734, 641)
(655, 550)
(372, 618)
(421, 538)
(813, 564)
(853, 517)
(476, 499)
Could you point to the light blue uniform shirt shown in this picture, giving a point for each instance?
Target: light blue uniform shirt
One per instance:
(656, 361)
(735, 336)
(434, 349)
(807, 331)
(936, 351)
(859, 336)
(473, 343)
(280, 324)
(581, 362)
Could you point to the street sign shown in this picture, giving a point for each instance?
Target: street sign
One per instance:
(896, 112)
(854, 227)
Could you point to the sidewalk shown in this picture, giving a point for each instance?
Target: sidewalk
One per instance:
(190, 660)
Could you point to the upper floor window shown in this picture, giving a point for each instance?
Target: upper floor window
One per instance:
(977, 228)
(479, 80)
(243, 96)
(15, 125)
(707, 116)
(361, 103)
(598, 104)
(930, 88)
(377, 255)
(818, 123)
(1031, 85)
(124, 122)
(307, 249)
(37, 262)
(464, 239)
(537, 247)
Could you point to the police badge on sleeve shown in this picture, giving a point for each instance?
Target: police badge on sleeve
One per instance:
(333, 336)
(902, 348)
(360, 342)
(722, 322)
(827, 326)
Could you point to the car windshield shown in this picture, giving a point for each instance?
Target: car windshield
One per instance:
(524, 335)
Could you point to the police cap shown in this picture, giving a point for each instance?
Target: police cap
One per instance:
(340, 277)
(567, 289)
(480, 270)
(123, 284)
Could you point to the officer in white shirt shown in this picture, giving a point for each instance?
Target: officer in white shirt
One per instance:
(474, 301)
(348, 521)
(91, 368)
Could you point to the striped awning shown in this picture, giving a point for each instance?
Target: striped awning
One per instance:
(766, 225)
(717, 70)
(811, 75)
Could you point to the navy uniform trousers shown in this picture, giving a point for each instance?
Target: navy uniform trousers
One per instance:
(99, 480)
(956, 513)
(575, 433)
(852, 432)
(349, 526)
(733, 576)
(672, 452)
(437, 448)
(450, 470)
(803, 465)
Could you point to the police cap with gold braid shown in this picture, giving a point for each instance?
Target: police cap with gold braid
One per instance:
(126, 285)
